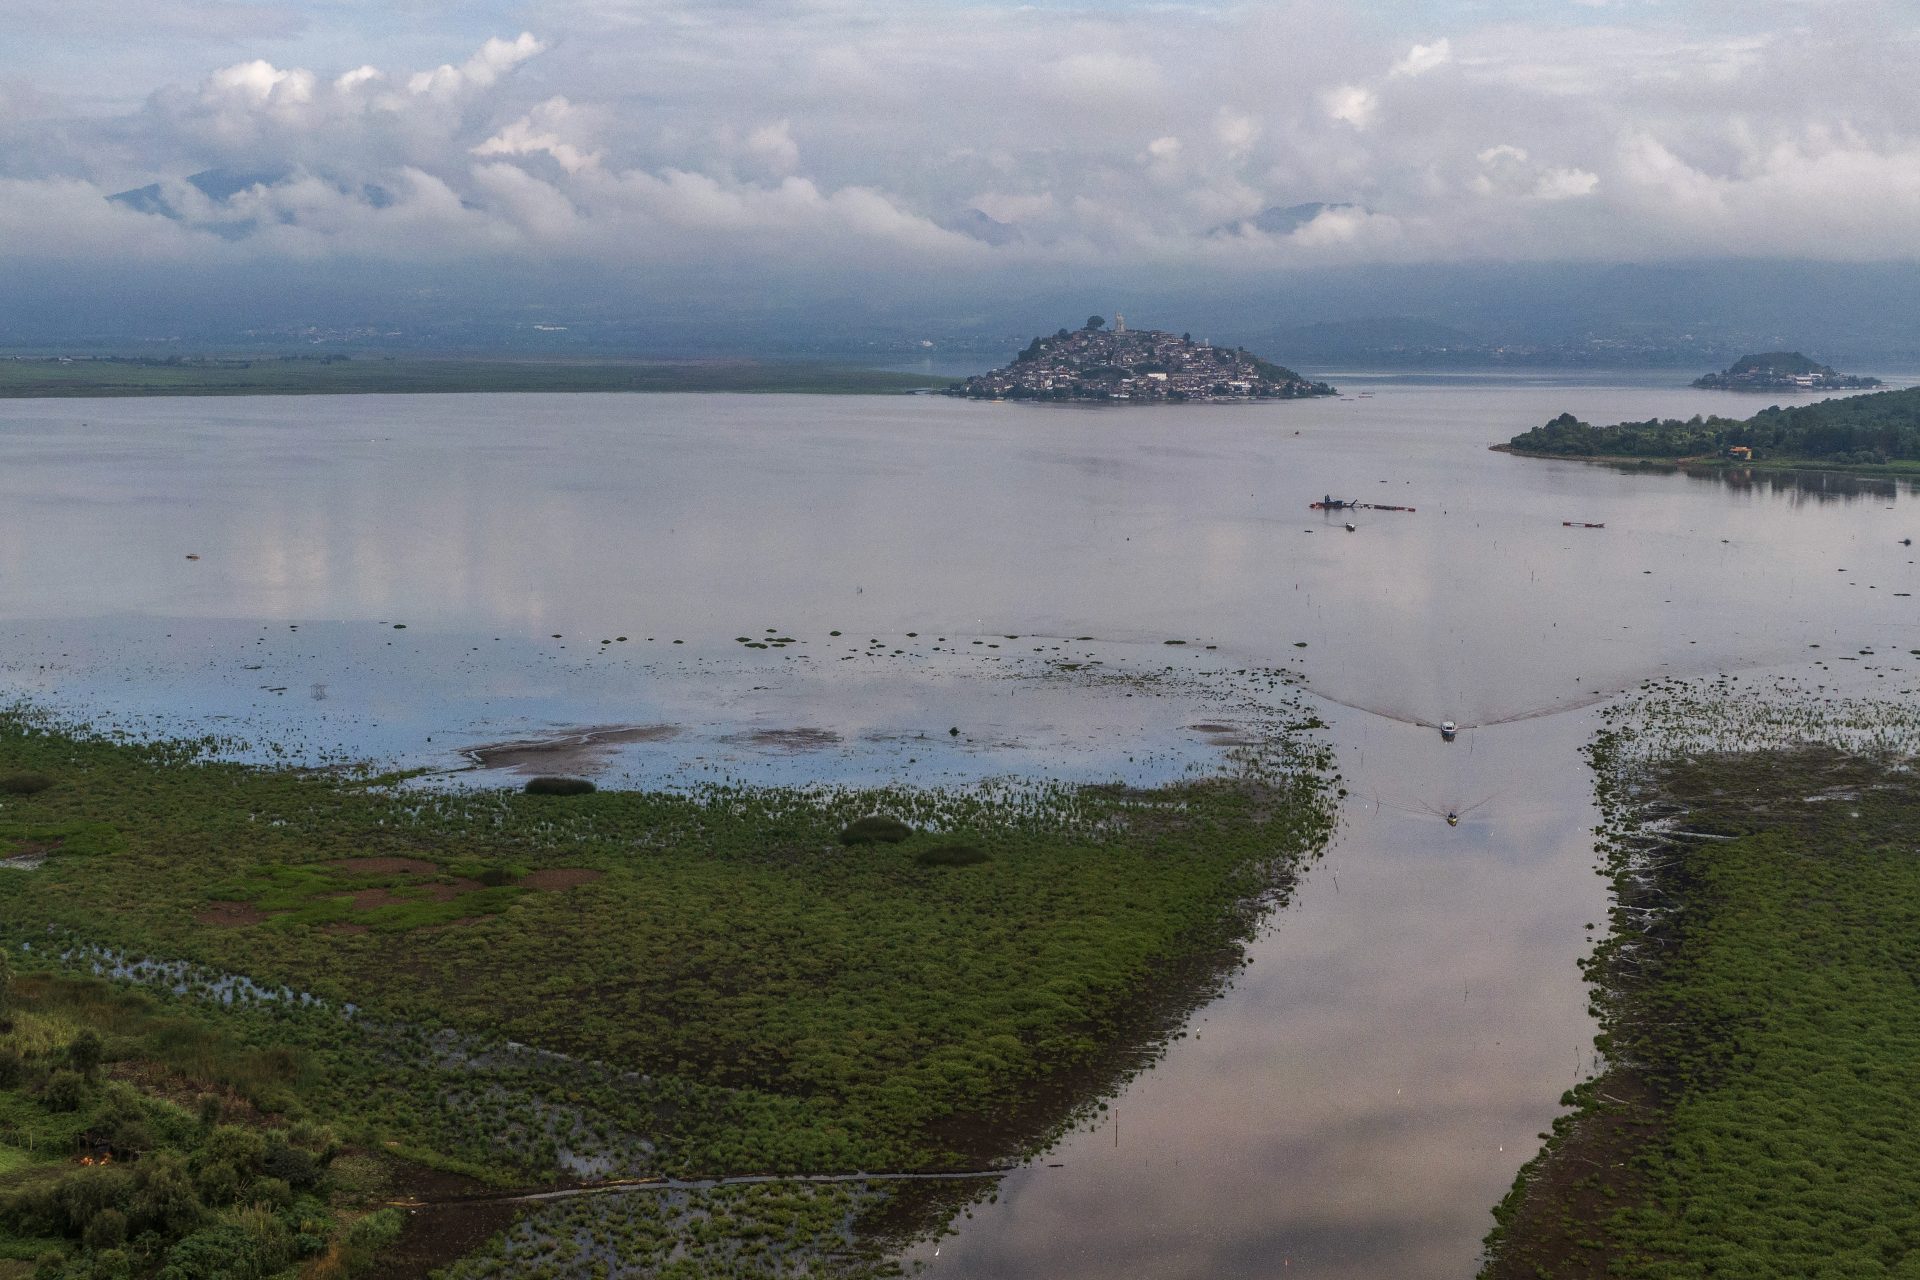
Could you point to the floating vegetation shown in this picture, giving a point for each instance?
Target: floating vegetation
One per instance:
(1755, 994)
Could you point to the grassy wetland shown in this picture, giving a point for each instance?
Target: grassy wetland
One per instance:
(1756, 999)
(526, 990)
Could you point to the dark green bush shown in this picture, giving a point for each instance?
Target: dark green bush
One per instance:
(24, 784)
(107, 1230)
(875, 830)
(228, 1251)
(64, 1091)
(545, 786)
(85, 1051)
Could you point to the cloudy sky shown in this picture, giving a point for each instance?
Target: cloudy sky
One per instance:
(950, 137)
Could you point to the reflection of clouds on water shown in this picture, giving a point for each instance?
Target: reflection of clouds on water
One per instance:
(1415, 1009)
(1352, 1093)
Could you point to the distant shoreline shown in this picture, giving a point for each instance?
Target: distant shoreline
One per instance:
(1910, 470)
(47, 378)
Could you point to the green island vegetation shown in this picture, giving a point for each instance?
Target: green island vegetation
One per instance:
(1782, 371)
(276, 1001)
(1756, 1000)
(1879, 431)
(22, 376)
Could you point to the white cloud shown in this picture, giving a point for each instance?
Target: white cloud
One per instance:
(542, 130)
(1565, 184)
(773, 145)
(1235, 131)
(1352, 104)
(259, 81)
(349, 81)
(495, 58)
(846, 133)
(1423, 58)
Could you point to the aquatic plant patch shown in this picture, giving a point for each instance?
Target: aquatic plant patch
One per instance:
(1757, 1000)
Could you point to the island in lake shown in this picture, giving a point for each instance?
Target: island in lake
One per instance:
(1880, 430)
(1094, 362)
(1782, 371)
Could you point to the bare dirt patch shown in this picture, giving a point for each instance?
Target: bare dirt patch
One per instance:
(571, 751)
(442, 1222)
(560, 877)
(440, 892)
(229, 915)
(790, 739)
(386, 866)
(368, 899)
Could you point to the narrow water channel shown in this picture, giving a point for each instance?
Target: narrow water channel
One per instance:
(1365, 1092)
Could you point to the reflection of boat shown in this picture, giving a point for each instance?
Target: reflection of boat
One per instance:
(1447, 730)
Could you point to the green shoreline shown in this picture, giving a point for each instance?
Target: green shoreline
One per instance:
(1755, 994)
(738, 986)
(1889, 470)
(22, 378)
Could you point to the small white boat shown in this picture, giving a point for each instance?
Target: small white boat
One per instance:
(1447, 730)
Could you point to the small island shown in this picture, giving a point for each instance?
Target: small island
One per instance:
(1782, 371)
(1094, 362)
(1871, 432)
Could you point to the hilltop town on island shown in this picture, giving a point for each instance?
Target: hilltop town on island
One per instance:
(1094, 362)
(1783, 371)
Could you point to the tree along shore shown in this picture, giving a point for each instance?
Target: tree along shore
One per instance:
(1872, 430)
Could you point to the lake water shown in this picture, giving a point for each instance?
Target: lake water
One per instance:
(412, 578)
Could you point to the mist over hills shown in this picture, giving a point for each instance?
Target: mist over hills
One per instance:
(1682, 315)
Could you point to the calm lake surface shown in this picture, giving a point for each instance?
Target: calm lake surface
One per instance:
(413, 578)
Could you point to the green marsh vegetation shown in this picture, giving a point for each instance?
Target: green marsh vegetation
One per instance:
(534, 991)
(1756, 998)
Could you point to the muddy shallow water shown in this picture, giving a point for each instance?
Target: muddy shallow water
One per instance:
(546, 583)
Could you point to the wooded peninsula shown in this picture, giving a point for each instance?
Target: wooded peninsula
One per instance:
(1878, 430)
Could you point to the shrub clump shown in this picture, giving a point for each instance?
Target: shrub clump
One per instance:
(875, 830)
(951, 855)
(24, 784)
(558, 787)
